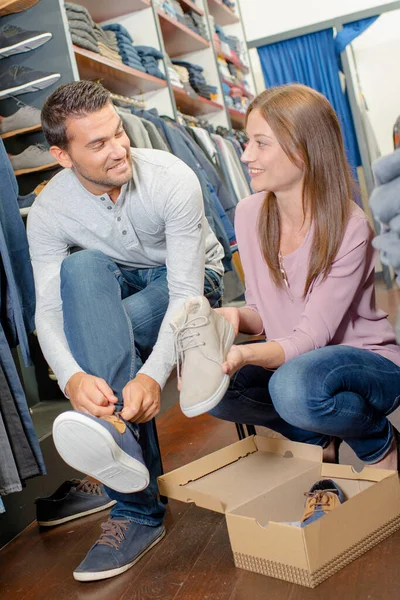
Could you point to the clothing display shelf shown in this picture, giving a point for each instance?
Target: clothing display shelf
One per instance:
(103, 10)
(234, 61)
(189, 5)
(237, 118)
(242, 88)
(194, 106)
(221, 13)
(179, 39)
(118, 77)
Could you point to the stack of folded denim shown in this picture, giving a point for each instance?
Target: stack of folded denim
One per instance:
(197, 79)
(126, 49)
(229, 4)
(196, 23)
(150, 57)
(87, 34)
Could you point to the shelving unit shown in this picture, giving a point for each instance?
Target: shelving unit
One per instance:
(194, 106)
(48, 167)
(221, 13)
(234, 61)
(179, 39)
(189, 5)
(118, 77)
(104, 10)
(237, 118)
(241, 86)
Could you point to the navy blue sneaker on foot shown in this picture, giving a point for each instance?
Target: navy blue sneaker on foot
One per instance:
(121, 545)
(104, 448)
(74, 498)
(323, 497)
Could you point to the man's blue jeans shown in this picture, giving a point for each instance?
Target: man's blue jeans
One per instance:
(336, 391)
(112, 316)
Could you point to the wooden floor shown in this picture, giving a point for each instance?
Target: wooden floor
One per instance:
(194, 561)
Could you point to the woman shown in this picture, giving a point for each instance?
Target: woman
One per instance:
(330, 368)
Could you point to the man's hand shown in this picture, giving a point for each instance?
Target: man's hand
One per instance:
(141, 399)
(91, 395)
(231, 314)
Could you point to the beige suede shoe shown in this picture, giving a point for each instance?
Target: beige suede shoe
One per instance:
(202, 341)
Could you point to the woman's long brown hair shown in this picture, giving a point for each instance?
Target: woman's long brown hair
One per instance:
(308, 131)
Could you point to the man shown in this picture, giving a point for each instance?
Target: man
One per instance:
(103, 312)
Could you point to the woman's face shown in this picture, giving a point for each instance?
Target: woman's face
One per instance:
(270, 168)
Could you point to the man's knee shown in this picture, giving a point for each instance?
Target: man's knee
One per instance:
(80, 263)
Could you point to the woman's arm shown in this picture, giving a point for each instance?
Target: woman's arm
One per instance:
(245, 320)
(269, 355)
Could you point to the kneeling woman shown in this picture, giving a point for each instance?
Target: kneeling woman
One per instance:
(330, 368)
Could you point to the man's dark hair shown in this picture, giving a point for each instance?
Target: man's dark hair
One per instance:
(76, 99)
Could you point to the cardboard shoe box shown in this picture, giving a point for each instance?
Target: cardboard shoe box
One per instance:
(259, 484)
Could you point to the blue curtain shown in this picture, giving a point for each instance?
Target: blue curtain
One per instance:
(311, 60)
(350, 31)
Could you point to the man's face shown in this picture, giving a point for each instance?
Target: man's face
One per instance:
(99, 150)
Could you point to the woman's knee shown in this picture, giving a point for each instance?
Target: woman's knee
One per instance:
(293, 390)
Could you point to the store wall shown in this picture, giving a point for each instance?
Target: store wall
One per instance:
(262, 18)
(266, 17)
(376, 54)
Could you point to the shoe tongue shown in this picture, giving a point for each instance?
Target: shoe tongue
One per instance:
(118, 423)
(193, 307)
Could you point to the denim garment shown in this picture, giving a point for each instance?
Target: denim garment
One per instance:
(118, 29)
(10, 481)
(9, 369)
(149, 51)
(337, 391)
(23, 456)
(112, 317)
(185, 148)
(2, 509)
(19, 296)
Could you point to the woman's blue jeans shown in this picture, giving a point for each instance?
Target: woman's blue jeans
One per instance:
(112, 316)
(336, 391)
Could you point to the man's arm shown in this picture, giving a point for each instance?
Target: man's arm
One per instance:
(48, 250)
(181, 203)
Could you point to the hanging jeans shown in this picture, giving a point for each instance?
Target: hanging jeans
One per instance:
(337, 391)
(107, 306)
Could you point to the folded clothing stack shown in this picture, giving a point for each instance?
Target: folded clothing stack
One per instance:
(126, 49)
(196, 23)
(150, 57)
(197, 79)
(229, 4)
(385, 205)
(87, 34)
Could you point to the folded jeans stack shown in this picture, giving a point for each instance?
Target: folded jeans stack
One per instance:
(126, 49)
(197, 79)
(150, 57)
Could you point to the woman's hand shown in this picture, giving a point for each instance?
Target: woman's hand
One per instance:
(232, 315)
(235, 360)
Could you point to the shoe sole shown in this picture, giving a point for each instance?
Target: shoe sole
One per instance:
(207, 405)
(89, 448)
(26, 46)
(34, 169)
(113, 572)
(85, 513)
(16, 132)
(31, 86)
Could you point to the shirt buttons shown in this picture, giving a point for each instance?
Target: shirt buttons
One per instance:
(102, 198)
(109, 207)
(118, 218)
(124, 232)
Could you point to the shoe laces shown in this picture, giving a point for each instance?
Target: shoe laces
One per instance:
(39, 148)
(319, 499)
(113, 532)
(16, 70)
(10, 30)
(88, 487)
(186, 337)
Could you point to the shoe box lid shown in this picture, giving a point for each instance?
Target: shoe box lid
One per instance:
(259, 483)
